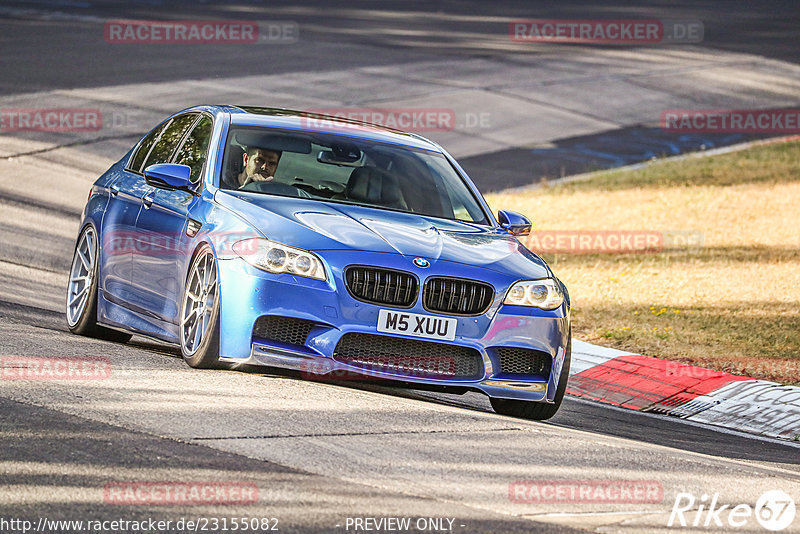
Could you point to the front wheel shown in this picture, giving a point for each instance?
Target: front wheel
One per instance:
(538, 411)
(200, 313)
(82, 291)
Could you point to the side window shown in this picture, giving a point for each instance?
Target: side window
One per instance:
(456, 198)
(169, 139)
(464, 207)
(145, 146)
(194, 150)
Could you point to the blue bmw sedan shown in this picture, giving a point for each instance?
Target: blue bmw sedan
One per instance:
(280, 238)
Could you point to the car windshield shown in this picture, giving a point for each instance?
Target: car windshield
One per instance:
(336, 168)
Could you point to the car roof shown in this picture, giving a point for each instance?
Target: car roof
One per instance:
(319, 122)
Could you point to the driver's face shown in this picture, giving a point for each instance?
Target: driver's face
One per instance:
(263, 162)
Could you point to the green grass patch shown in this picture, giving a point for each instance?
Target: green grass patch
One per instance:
(732, 304)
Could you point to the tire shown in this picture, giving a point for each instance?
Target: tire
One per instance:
(538, 411)
(81, 302)
(199, 328)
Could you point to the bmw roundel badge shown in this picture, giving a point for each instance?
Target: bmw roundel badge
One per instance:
(422, 263)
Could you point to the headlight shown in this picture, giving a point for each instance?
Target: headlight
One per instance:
(545, 294)
(279, 258)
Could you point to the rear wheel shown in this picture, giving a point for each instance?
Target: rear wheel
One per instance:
(538, 411)
(82, 291)
(200, 313)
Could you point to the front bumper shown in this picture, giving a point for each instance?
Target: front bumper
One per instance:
(248, 294)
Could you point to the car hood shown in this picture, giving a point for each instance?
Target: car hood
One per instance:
(319, 225)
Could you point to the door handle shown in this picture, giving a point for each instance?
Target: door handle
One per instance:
(114, 189)
(147, 200)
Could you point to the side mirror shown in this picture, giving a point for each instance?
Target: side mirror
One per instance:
(513, 222)
(169, 176)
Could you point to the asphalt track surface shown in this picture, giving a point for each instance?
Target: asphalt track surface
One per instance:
(322, 452)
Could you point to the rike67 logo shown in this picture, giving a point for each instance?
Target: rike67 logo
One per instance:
(774, 511)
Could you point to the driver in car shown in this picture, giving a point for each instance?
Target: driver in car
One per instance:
(259, 166)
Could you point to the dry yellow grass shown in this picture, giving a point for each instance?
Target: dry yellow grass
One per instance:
(732, 304)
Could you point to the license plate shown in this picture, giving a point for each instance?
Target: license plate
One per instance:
(414, 324)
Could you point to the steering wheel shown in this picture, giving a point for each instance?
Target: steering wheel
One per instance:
(275, 188)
